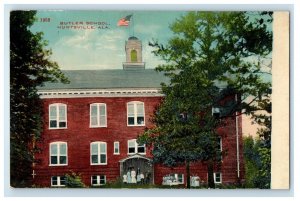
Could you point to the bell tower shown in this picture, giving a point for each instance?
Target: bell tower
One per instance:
(133, 49)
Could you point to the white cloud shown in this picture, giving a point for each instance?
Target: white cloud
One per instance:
(151, 60)
(90, 49)
(93, 49)
(152, 29)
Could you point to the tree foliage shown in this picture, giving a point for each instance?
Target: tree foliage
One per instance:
(257, 163)
(30, 67)
(73, 180)
(211, 55)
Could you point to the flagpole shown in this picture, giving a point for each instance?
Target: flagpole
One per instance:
(132, 25)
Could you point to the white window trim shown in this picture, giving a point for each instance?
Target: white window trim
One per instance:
(57, 115)
(221, 146)
(174, 182)
(98, 180)
(117, 143)
(99, 153)
(58, 153)
(98, 115)
(219, 182)
(182, 178)
(135, 147)
(221, 142)
(215, 110)
(58, 182)
(135, 113)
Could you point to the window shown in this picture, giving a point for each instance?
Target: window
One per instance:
(98, 115)
(218, 177)
(134, 148)
(135, 114)
(173, 179)
(98, 153)
(116, 148)
(219, 144)
(216, 112)
(180, 178)
(58, 181)
(98, 180)
(133, 55)
(57, 116)
(195, 181)
(58, 153)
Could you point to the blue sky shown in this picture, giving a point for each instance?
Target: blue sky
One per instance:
(102, 47)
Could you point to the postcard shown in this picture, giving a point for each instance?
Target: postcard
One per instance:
(149, 99)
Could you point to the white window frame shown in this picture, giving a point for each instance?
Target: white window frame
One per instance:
(99, 153)
(182, 182)
(135, 114)
(220, 142)
(58, 155)
(59, 179)
(99, 179)
(57, 116)
(215, 177)
(99, 123)
(173, 179)
(136, 146)
(216, 110)
(117, 145)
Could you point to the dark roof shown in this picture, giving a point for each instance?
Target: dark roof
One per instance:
(132, 38)
(105, 79)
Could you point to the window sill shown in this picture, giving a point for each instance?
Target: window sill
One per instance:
(57, 128)
(136, 153)
(137, 125)
(98, 184)
(98, 126)
(57, 165)
(99, 164)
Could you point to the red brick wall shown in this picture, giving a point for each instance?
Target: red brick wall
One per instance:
(79, 135)
(228, 166)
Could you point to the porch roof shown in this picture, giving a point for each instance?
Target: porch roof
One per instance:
(137, 156)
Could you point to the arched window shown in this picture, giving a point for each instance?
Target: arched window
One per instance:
(58, 153)
(133, 56)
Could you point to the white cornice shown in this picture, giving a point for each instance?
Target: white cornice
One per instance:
(83, 93)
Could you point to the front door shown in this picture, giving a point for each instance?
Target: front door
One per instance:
(137, 171)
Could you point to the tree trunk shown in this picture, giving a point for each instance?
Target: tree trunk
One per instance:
(187, 168)
(210, 173)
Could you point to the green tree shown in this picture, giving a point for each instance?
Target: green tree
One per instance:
(211, 55)
(257, 163)
(73, 180)
(251, 157)
(30, 67)
(264, 119)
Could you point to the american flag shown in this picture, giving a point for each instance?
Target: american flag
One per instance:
(124, 21)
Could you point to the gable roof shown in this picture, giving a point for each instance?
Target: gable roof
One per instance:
(109, 79)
